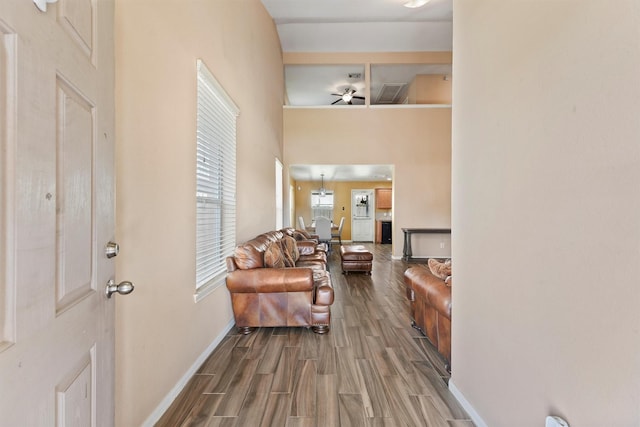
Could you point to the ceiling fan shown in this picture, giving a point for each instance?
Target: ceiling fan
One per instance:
(346, 96)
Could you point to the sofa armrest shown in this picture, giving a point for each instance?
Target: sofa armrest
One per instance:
(439, 297)
(324, 289)
(306, 247)
(269, 280)
(430, 288)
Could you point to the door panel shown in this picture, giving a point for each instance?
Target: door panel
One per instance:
(362, 220)
(77, 17)
(74, 207)
(8, 62)
(56, 326)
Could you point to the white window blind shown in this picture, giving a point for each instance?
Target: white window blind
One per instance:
(215, 180)
(322, 204)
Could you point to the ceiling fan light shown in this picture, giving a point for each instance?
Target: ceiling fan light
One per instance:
(416, 3)
(347, 97)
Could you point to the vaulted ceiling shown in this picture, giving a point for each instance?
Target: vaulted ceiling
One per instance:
(362, 25)
(333, 26)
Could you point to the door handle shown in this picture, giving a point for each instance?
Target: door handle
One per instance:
(123, 288)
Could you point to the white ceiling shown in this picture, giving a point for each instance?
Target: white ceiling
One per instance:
(361, 25)
(341, 172)
(355, 26)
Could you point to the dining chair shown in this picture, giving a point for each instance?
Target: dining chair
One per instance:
(338, 233)
(301, 223)
(323, 230)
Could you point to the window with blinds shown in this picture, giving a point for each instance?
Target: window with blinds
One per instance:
(279, 196)
(215, 181)
(322, 204)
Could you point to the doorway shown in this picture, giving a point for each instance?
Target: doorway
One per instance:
(362, 215)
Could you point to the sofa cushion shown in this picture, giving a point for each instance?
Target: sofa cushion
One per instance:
(274, 257)
(248, 257)
(440, 269)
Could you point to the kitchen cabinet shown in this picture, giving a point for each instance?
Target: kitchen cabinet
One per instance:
(383, 198)
(383, 231)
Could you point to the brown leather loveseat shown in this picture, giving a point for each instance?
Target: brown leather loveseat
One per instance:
(277, 280)
(430, 307)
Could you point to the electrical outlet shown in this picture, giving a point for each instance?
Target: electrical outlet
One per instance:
(441, 245)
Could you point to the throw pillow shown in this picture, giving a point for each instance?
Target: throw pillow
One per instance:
(248, 257)
(440, 269)
(288, 259)
(273, 256)
(290, 249)
(304, 233)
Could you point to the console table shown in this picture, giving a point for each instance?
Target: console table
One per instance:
(407, 254)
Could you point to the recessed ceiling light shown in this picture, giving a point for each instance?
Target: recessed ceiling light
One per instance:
(416, 3)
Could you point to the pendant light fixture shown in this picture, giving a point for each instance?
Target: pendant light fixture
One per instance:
(322, 190)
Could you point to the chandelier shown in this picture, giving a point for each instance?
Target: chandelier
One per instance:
(322, 190)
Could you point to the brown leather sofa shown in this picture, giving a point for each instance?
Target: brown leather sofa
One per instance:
(430, 308)
(268, 291)
(308, 245)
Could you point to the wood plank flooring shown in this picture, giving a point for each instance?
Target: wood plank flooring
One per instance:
(371, 369)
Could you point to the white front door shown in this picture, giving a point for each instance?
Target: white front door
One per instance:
(362, 215)
(57, 213)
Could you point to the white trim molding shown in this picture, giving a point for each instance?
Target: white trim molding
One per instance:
(153, 418)
(475, 417)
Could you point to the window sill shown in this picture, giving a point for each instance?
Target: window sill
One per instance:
(207, 289)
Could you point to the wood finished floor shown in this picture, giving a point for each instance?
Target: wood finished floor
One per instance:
(371, 369)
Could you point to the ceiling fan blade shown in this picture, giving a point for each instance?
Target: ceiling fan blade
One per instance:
(350, 103)
(336, 101)
(358, 97)
(336, 94)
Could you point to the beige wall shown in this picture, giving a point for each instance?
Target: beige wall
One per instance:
(341, 200)
(160, 330)
(416, 140)
(430, 89)
(367, 57)
(546, 202)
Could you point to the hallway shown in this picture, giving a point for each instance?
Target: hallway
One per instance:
(372, 369)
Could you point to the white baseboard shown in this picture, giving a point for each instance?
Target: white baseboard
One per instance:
(475, 417)
(175, 391)
(424, 258)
